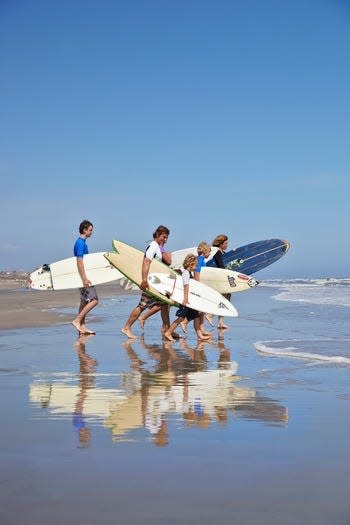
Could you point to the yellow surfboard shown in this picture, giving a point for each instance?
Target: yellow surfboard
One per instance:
(128, 261)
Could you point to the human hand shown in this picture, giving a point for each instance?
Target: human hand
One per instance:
(144, 285)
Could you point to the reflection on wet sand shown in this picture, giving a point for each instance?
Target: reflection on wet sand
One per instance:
(171, 384)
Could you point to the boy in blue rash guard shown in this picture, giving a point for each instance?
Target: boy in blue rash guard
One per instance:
(88, 294)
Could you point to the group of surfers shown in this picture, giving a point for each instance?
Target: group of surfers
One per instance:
(191, 265)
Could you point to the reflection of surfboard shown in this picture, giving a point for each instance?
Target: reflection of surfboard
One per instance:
(200, 297)
(247, 259)
(226, 281)
(128, 261)
(64, 275)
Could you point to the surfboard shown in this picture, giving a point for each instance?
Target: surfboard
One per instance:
(226, 281)
(200, 297)
(247, 259)
(128, 260)
(64, 275)
(255, 256)
(222, 280)
(178, 256)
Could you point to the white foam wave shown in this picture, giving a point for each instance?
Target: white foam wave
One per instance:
(312, 291)
(326, 350)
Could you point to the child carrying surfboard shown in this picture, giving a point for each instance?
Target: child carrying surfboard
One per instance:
(189, 264)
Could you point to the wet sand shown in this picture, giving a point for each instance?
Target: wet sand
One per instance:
(108, 430)
(21, 307)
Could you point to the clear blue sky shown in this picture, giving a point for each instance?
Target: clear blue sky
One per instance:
(209, 117)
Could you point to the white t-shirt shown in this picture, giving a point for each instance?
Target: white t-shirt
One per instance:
(186, 277)
(153, 250)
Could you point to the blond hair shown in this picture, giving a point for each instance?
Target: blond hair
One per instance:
(189, 260)
(202, 247)
(219, 239)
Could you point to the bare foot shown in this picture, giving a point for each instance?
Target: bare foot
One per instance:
(77, 326)
(168, 337)
(84, 330)
(209, 318)
(128, 333)
(203, 336)
(142, 322)
(176, 336)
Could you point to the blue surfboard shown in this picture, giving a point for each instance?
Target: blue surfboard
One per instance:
(255, 256)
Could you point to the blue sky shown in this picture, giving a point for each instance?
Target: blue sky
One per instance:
(209, 117)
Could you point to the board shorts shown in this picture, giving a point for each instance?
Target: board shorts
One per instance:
(187, 313)
(148, 302)
(88, 294)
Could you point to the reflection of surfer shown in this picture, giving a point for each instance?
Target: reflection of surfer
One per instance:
(86, 381)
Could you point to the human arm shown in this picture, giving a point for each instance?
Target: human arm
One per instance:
(145, 270)
(186, 285)
(186, 290)
(82, 273)
(166, 256)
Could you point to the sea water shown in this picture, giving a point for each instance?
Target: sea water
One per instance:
(251, 428)
(317, 321)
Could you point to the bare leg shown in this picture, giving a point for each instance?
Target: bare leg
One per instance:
(184, 324)
(209, 318)
(155, 309)
(164, 312)
(135, 314)
(221, 324)
(168, 334)
(84, 309)
(201, 324)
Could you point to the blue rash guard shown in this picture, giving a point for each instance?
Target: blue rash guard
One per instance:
(80, 247)
(201, 263)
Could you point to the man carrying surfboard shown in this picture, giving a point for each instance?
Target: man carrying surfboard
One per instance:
(160, 236)
(88, 294)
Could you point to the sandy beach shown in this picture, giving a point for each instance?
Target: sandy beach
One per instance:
(22, 307)
(104, 429)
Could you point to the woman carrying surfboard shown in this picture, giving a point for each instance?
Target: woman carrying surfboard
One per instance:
(220, 242)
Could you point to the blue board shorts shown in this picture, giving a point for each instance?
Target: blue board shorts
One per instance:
(187, 313)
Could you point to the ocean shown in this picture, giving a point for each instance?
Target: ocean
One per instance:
(317, 326)
(251, 428)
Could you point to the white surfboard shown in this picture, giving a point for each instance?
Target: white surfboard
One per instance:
(226, 281)
(128, 260)
(222, 280)
(177, 257)
(64, 275)
(200, 297)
